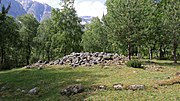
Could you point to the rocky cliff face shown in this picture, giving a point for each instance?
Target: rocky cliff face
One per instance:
(86, 19)
(20, 7)
(39, 10)
(16, 7)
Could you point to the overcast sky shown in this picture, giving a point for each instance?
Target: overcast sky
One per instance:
(83, 7)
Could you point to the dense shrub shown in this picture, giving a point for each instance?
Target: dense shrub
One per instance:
(134, 63)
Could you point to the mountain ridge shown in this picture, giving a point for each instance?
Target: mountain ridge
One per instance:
(16, 8)
(40, 11)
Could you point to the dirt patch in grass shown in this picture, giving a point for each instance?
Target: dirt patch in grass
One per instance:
(171, 81)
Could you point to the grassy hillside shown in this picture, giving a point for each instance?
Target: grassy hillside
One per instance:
(50, 81)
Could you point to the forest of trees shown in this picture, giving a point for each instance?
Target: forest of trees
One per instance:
(142, 28)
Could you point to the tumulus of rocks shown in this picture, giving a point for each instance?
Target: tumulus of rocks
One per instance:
(85, 59)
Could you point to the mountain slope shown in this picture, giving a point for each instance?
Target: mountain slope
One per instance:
(16, 8)
(86, 19)
(39, 10)
(20, 7)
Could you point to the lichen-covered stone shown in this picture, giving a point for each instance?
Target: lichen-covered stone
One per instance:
(72, 90)
(118, 86)
(136, 87)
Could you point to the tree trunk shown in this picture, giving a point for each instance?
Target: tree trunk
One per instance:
(161, 53)
(138, 53)
(2, 55)
(129, 50)
(174, 51)
(150, 54)
(135, 51)
(48, 54)
(28, 53)
(27, 60)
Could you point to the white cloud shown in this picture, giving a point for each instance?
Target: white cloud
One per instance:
(83, 7)
(90, 8)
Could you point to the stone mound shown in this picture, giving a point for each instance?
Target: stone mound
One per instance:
(85, 59)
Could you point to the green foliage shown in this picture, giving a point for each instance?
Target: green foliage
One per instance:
(139, 28)
(43, 40)
(27, 32)
(143, 24)
(3, 12)
(124, 19)
(67, 30)
(9, 40)
(54, 38)
(134, 63)
(94, 39)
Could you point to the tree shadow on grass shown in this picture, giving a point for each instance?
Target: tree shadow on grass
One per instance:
(49, 81)
(164, 63)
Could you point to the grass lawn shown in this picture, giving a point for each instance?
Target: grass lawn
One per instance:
(52, 80)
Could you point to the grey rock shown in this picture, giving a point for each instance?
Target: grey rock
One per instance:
(51, 63)
(73, 53)
(40, 61)
(28, 67)
(118, 86)
(37, 64)
(107, 57)
(95, 62)
(102, 87)
(40, 68)
(101, 54)
(87, 64)
(177, 73)
(18, 90)
(82, 63)
(96, 54)
(115, 55)
(46, 62)
(33, 91)
(99, 59)
(74, 65)
(72, 89)
(136, 87)
(99, 87)
(56, 62)
(23, 91)
(3, 88)
(61, 62)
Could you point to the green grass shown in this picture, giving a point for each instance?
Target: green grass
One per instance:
(52, 80)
